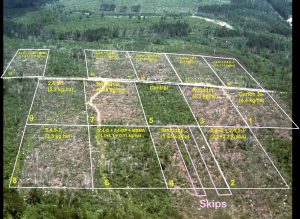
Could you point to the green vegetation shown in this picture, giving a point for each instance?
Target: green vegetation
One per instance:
(27, 63)
(59, 103)
(66, 62)
(17, 99)
(54, 156)
(278, 144)
(128, 6)
(121, 161)
(193, 70)
(166, 107)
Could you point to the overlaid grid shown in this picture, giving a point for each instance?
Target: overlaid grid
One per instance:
(182, 114)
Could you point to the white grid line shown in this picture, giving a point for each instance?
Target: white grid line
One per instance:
(252, 133)
(133, 66)
(9, 63)
(139, 188)
(266, 92)
(23, 133)
(122, 80)
(87, 119)
(151, 135)
(194, 167)
(173, 68)
(161, 53)
(188, 173)
(206, 143)
(204, 162)
(21, 77)
(29, 76)
(46, 63)
(158, 126)
(35, 49)
(258, 141)
(255, 81)
(86, 65)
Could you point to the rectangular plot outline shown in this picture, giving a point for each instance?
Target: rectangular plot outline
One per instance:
(193, 164)
(151, 136)
(174, 69)
(89, 136)
(217, 73)
(210, 176)
(256, 83)
(215, 160)
(96, 188)
(22, 138)
(164, 55)
(250, 129)
(23, 134)
(207, 144)
(126, 54)
(187, 171)
(266, 92)
(63, 124)
(31, 76)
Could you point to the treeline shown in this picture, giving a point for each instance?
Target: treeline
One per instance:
(179, 28)
(251, 15)
(25, 3)
(105, 7)
(283, 7)
(13, 29)
(255, 41)
(163, 28)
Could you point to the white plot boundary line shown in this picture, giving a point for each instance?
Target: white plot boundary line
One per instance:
(188, 173)
(203, 136)
(86, 65)
(138, 188)
(250, 129)
(46, 63)
(122, 80)
(89, 135)
(255, 89)
(161, 53)
(173, 68)
(29, 76)
(17, 157)
(35, 49)
(266, 92)
(204, 162)
(21, 77)
(151, 136)
(214, 158)
(9, 63)
(156, 126)
(144, 188)
(133, 66)
(193, 164)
